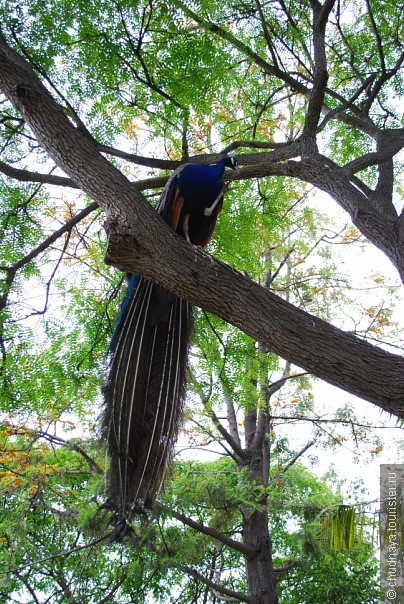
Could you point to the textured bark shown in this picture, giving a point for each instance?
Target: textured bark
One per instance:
(141, 243)
(261, 579)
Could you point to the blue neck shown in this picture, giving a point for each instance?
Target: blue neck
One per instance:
(219, 167)
(201, 174)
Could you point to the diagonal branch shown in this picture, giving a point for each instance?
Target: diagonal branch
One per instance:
(276, 386)
(234, 595)
(266, 32)
(236, 447)
(378, 83)
(65, 554)
(11, 271)
(243, 548)
(293, 460)
(236, 452)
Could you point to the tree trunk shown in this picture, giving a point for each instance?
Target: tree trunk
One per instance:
(261, 579)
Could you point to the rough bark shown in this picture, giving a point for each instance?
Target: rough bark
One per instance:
(261, 577)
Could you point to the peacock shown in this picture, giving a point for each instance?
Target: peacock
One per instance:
(148, 355)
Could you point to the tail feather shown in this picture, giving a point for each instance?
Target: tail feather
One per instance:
(145, 392)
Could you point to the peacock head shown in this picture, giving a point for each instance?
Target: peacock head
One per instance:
(231, 162)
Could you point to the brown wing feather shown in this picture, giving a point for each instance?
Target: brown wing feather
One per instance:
(176, 207)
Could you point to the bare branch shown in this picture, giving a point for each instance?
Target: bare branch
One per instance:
(66, 228)
(236, 452)
(108, 597)
(296, 27)
(236, 447)
(293, 460)
(148, 79)
(24, 581)
(207, 432)
(378, 83)
(276, 386)
(28, 176)
(323, 420)
(237, 596)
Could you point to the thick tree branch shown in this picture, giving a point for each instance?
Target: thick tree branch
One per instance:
(28, 176)
(316, 100)
(389, 143)
(339, 358)
(322, 13)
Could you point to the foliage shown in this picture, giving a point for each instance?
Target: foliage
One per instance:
(54, 542)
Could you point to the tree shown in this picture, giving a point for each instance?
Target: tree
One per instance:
(306, 95)
(52, 550)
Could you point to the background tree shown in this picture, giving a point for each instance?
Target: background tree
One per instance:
(52, 550)
(308, 96)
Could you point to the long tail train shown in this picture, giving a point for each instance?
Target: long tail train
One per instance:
(145, 391)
